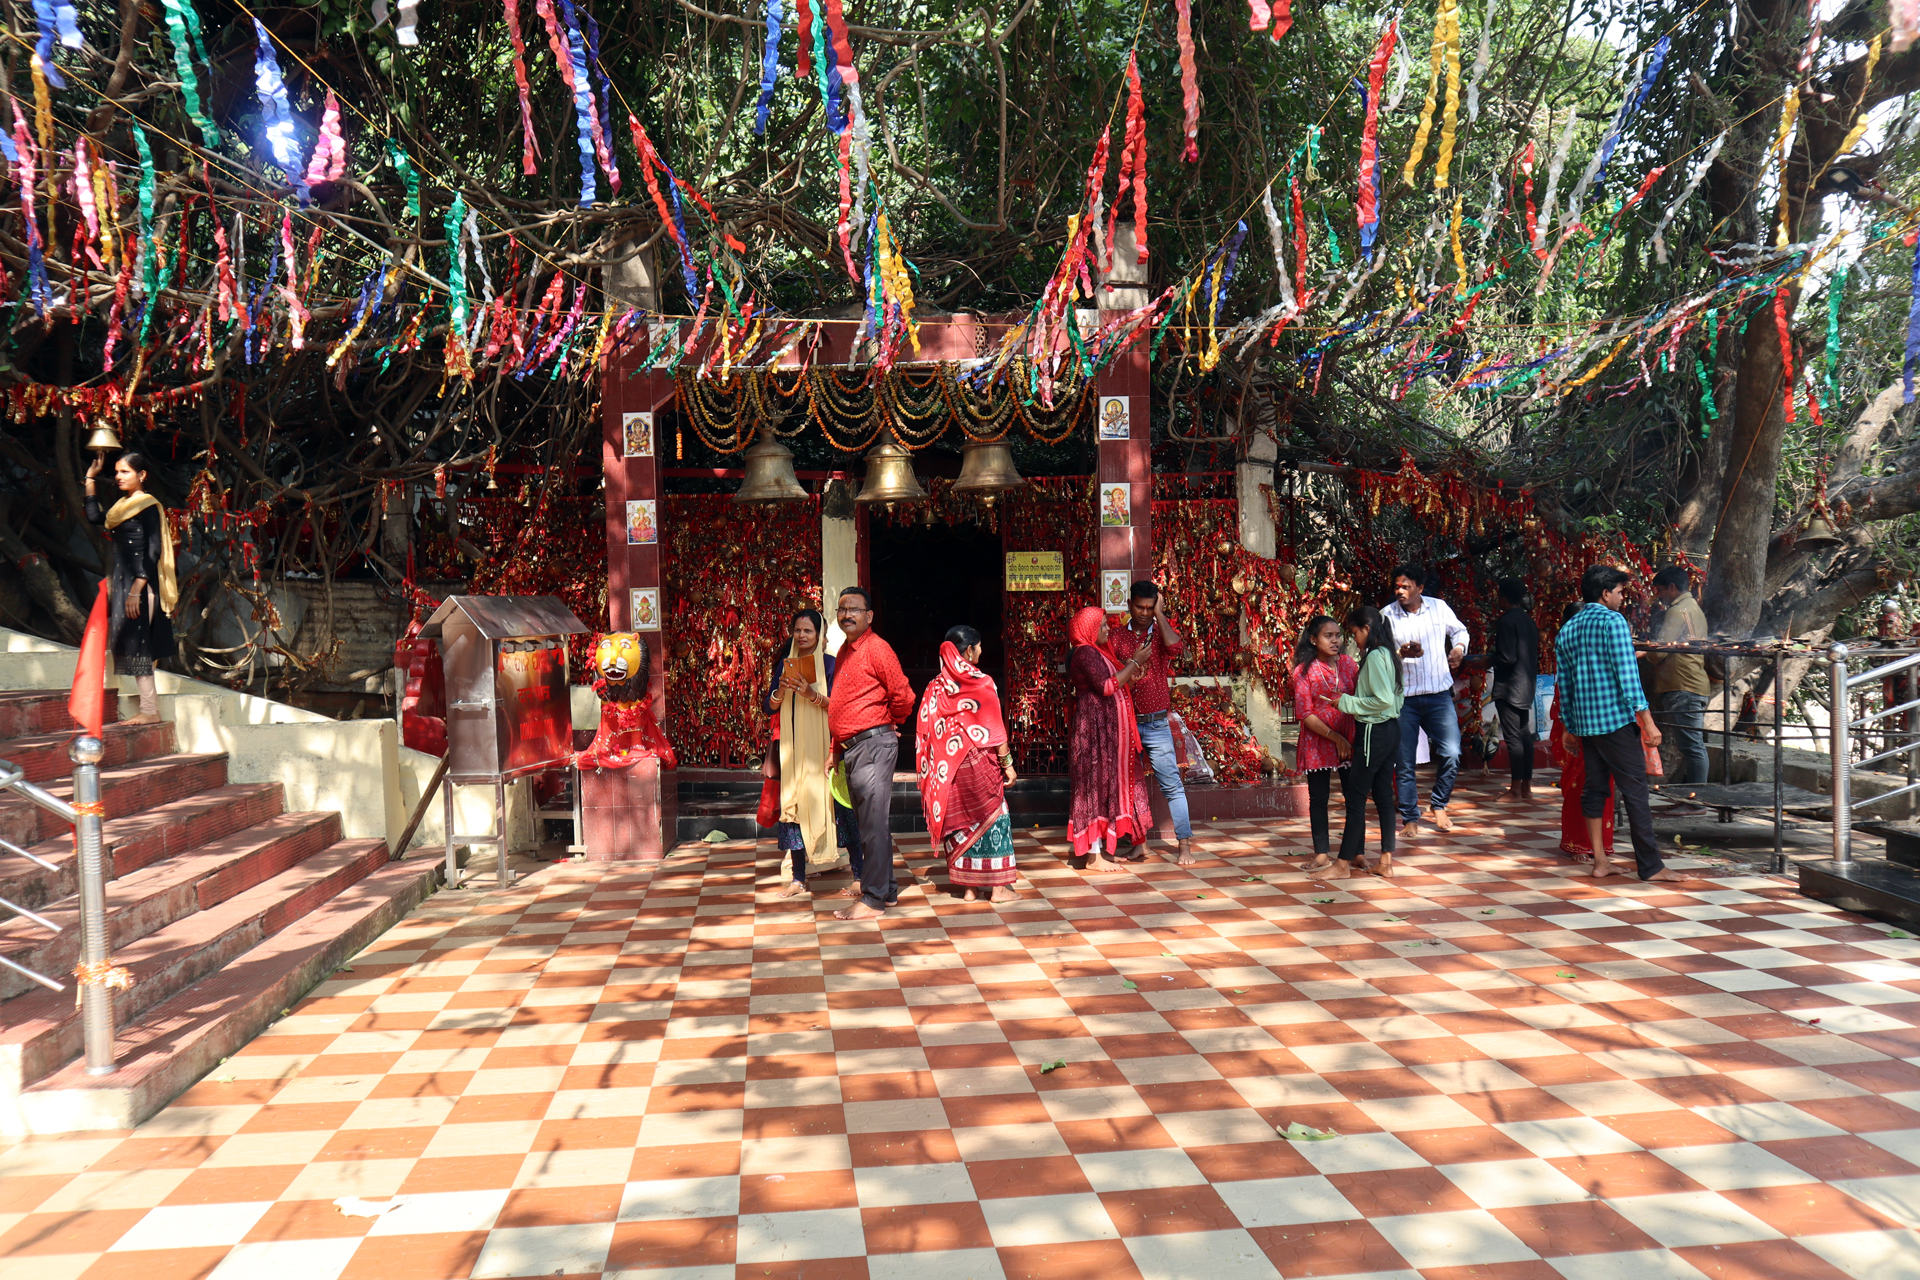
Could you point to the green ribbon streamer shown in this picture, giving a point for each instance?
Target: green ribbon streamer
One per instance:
(1835, 288)
(455, 223)
(1709, 411)
(397, 157)
(148, 183)
(183, 31)
(1333, 241)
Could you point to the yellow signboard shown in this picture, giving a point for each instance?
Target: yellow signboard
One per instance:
(1036, 571)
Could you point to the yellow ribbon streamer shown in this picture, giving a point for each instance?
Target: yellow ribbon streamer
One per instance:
(1459, 254)
(1789, 116)
(1425, 128)
(1860, 125)
(1449, 15)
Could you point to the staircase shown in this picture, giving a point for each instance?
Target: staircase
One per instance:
(224, 907)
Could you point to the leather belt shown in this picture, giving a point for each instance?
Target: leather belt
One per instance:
(1151, 717)
(864, 734)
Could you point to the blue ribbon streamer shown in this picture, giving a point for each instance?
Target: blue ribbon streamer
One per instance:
(1632, 108)
(606, 88)
(769, 68)
(270, 87)
(824, 65)
(686, 245)
(45, 18)
(1913, 329)
(582, 102)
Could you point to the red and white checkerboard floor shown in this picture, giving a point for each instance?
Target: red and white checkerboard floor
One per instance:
(678, 1076)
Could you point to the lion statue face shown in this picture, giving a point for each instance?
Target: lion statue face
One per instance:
(620, 658)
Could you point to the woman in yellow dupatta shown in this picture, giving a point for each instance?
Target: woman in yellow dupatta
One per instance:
(143, 590)
(803, 751)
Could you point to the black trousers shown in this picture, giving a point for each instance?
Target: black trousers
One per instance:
(1319, 791)
(870, 763)
(1519, 740)
(1620, 759)
(1369, 775)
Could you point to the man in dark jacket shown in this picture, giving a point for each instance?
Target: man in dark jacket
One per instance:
(1516, 661)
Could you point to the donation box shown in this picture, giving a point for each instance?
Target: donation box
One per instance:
(509, 712)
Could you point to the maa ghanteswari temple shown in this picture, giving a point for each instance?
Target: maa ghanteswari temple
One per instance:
(956, 492)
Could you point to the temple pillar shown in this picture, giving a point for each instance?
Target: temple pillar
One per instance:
(1124, 437)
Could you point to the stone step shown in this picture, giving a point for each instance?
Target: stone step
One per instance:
(43, 756)
(31, 711)
(182, 1038)
(139, 840)
(41, 1030)
(126, 789)
(168, 890)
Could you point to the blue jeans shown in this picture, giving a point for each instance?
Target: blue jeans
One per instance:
(1157, 738)
(1433, 712)
(1684, 716)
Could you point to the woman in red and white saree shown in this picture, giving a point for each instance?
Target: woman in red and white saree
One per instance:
(960, 742)
(1103, 761)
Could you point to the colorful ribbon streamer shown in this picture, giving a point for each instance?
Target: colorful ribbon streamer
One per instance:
(270, 87)
(1133, 164)
(1189, 82)
(42, 56)
(402, 165)
(529, 145)
(329, 160)
(593, 145)
(603, 138)
(183, 32)
(1368, 203)
(406, 32)
(769, 68)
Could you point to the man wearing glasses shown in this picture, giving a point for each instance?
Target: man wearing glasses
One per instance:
(870, 697)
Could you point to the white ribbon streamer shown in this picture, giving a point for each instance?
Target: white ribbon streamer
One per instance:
(1659, 232)
(409, 16)
(1545, 220)
(1480, 64)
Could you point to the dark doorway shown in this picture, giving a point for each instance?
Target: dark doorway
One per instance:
(927, 578)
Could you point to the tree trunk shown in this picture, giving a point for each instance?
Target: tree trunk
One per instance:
(1736, 580)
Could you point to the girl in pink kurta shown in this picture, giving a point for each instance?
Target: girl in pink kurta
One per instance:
(1320, 675)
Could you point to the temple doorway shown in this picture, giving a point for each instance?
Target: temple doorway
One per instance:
(929, 577)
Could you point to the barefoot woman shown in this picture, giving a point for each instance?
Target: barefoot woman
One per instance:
(965, 769)
(1103, 762)
(144, 590)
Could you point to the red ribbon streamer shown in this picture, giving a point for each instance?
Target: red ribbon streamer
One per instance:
(1133, 163)
(1189, 81)
(1368, 207)
(1786, 344)
(529, 147)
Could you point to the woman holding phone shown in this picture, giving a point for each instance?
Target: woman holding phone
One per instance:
(799, 757)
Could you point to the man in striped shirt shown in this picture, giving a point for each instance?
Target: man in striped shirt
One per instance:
(1605, 711)
(1431, 642)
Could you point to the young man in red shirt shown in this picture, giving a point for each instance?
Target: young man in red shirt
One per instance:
(871, 697)
(1147, 625)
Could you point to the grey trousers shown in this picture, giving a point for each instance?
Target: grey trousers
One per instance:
(870, 764)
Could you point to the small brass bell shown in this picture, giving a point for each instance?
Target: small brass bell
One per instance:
(1818, 535)
(890, 477)
(987, 471)
(103, 440)
(770, 475)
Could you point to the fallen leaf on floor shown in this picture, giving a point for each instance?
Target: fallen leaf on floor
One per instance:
(1564, 974)
(1168, 955)
(716, 836)
(1199, 895)
(1248, 879)
(1297, 1132)
(1898, 933)
(1490, 911)
(1130, 984)
(1045, 1067)
(225, 1079)
(1239, 991)
(355, 1207)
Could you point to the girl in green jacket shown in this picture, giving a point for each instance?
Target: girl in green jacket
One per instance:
(1375, 706)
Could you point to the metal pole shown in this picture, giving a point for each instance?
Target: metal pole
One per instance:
(453, 863)
(1779, 838)
(96, 998)
(1840, 736)
(1726, 723)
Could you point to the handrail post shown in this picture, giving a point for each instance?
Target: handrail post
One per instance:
(1841, 738)
(96, 997)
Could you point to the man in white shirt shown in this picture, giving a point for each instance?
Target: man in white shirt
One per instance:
(1431, 642)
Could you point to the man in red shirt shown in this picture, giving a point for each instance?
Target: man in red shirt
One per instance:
(1147, 628)
(870, 697)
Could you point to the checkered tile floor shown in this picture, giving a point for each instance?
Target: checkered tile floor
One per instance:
(677, 1076)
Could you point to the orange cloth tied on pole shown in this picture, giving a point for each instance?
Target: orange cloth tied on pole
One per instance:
(87, 704)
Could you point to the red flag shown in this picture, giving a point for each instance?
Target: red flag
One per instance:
(88, 702)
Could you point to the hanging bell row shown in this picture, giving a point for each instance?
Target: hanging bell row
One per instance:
(986, 472)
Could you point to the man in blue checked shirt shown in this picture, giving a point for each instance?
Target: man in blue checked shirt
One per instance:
(1606, 715)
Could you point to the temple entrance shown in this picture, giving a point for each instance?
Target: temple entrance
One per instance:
(927, 578)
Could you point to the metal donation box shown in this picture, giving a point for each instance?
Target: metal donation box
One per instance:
(509, 712)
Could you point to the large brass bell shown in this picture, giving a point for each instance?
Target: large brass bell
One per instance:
(890, 477)
(1818, 535)
(103, 440)
(987, 471)
(770, 475)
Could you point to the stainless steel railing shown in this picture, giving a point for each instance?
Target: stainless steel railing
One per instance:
(1897, 737)
(87, 816)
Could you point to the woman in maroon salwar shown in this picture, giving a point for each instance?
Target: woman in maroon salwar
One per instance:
(1103, 763)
